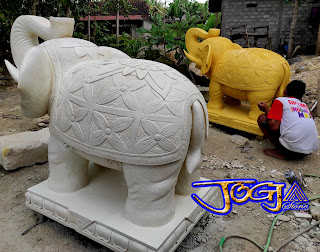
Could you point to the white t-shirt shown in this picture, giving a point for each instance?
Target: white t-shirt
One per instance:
(298, 131)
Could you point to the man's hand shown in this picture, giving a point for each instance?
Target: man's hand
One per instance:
(263, 107)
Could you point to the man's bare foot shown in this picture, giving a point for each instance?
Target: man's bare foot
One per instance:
(274, 153)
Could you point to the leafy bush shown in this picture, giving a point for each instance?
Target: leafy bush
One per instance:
(127, 44)
(172, 35)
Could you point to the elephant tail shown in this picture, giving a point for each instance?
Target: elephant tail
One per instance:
(200, 125)
(190, 170)
(206, 118)
(285, 80)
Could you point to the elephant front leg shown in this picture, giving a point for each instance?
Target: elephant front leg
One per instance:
(256, 96)
(68, 172)
(215, 95)
(151, 191)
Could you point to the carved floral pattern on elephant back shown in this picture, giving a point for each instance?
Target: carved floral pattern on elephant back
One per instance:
(132, 107)
(71, 52)
(247, 68)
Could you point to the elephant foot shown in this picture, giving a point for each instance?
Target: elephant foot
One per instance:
(215, 105)
(68, 172)
(151, 193)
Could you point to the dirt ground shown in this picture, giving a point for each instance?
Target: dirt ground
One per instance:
(222, 159)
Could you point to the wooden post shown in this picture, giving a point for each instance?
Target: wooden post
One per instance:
(318, 46)
(117, 26)
(68, 12)
(34, 7)
(89, 27)
(277, 42)
(293, 28)
(164, 29)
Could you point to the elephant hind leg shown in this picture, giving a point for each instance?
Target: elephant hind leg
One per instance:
(190, 170)
(68, 172)
(256, 96)
(185, 180)
(151, 192)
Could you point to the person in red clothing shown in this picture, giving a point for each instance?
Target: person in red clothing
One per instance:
(289, 125)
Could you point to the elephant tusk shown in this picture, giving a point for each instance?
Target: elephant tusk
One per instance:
(14, 72)
(193, 59)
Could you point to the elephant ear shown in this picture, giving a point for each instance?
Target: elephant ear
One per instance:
(35, 80)
(206, 54)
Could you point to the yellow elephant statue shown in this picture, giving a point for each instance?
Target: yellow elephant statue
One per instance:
(248, 74)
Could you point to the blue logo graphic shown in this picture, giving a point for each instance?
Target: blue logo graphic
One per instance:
(295, 199)
(241, 191)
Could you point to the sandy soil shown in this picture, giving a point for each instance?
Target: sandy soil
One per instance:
(222, 159)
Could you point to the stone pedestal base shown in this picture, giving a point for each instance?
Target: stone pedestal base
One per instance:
(97, 211)
(236, 117)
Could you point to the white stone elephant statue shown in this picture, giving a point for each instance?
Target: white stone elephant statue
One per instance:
(140, 117)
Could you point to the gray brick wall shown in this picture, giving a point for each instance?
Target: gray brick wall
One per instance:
(274, 13)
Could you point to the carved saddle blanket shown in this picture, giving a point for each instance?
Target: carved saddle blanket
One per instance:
(133, 111)
(251, 69)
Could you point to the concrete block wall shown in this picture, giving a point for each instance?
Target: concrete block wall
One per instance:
(274, 13)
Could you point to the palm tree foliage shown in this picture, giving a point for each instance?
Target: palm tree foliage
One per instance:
(157, 10)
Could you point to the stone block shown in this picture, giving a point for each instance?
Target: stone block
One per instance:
(302, 241)
(311, 249)
(315, 212)
(24, 149)
(239, 140)
(283, 218)
(302, 215)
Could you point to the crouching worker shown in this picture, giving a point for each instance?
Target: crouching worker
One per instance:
(289, 125)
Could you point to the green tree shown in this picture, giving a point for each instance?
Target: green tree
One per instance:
(175, 9)
(189, 14)
(9, 11)
(156, 11)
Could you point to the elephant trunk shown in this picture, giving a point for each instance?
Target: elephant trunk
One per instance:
(26, 30)
(192, 39)
(193, 43)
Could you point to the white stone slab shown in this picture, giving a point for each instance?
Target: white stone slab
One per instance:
(302, 215)
(24, 149)
(97, 211)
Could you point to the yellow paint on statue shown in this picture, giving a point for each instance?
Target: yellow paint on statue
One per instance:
(246, 74)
